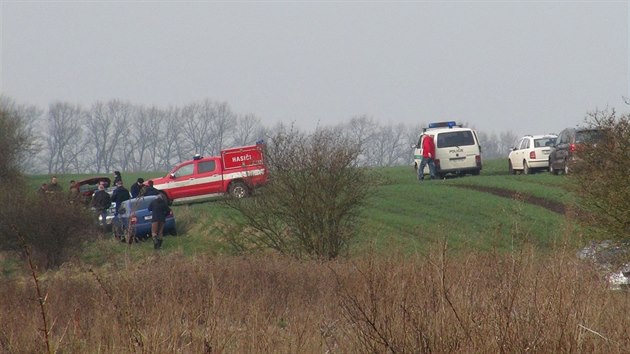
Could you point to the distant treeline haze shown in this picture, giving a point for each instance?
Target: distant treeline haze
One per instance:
(117, 135)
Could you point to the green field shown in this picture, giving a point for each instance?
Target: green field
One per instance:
(402, 215)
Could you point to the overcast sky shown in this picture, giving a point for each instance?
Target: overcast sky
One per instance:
(528, 67)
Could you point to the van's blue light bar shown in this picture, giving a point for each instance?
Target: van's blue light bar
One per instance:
(443, 124)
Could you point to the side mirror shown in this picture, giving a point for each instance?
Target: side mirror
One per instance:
(171, 175)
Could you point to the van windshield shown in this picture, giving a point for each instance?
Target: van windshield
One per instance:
(450, 139)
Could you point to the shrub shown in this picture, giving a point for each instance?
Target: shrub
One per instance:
(49, 225)
(601, 178)
(311, 203)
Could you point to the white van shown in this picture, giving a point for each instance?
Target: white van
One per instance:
(457, 149)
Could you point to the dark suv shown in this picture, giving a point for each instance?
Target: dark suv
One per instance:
(568, 143)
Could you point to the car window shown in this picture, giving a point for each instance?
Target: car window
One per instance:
(588, 136)
(562, 138)
(185, 170)
(206, 166)
(543, 142)
(450, 139)
(524, 144)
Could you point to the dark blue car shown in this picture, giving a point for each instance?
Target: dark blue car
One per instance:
(133, 221)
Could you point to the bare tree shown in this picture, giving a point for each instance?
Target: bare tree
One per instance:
(197, 122)
(143, 138)
(29, 116)
(248, 130)
(64, 138)
(361, 131)
(223, 126)
(507, 140)
(491, 145)
(167, 149)
(107, 125)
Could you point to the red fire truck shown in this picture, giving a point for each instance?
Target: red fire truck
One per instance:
(236, 172)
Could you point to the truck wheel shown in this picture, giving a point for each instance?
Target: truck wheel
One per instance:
(238, 190)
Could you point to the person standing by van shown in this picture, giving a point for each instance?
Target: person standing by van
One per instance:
(159, 211)
(428, 156)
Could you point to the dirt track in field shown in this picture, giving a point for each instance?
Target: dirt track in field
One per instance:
(530, 199)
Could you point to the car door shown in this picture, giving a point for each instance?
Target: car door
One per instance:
(208, 178)
(561, 150)
(517, 156)
(181, 180)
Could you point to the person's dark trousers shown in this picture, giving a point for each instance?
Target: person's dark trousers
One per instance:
(157, 230)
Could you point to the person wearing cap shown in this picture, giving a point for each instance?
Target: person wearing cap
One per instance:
(119, 195)
(136, 188)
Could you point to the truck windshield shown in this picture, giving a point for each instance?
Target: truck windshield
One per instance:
(460, 138)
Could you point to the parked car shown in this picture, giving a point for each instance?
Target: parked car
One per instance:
(134, 219)
(531, 153)
(569, 141)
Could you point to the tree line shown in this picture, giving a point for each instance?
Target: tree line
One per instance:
(119, 135)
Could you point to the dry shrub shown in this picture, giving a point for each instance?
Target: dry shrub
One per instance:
(438, 302)
(51, 226)
(601, 175)
(311, 205)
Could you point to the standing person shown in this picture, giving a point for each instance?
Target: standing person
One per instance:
(53, 186)
(74, 191)
(119, 195)
(150, 190)
(136, 188)
(117, 177)
(101, 201)
(159, 210)
(428, 156)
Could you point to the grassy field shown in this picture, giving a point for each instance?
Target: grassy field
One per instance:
(435, 268)
(402, 215)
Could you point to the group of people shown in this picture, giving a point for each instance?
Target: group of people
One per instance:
(101, 202)
(52, 187)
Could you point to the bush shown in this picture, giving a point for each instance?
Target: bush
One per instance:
(601, 175)
(53, 229)
(311, 203)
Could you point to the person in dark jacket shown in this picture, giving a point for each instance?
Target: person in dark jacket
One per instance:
(150, 190)
(159, 210)
(101, 202)
(136, 188)
(117, 177)
(119, 195)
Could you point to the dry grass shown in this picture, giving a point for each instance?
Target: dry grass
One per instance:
(438, 302)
